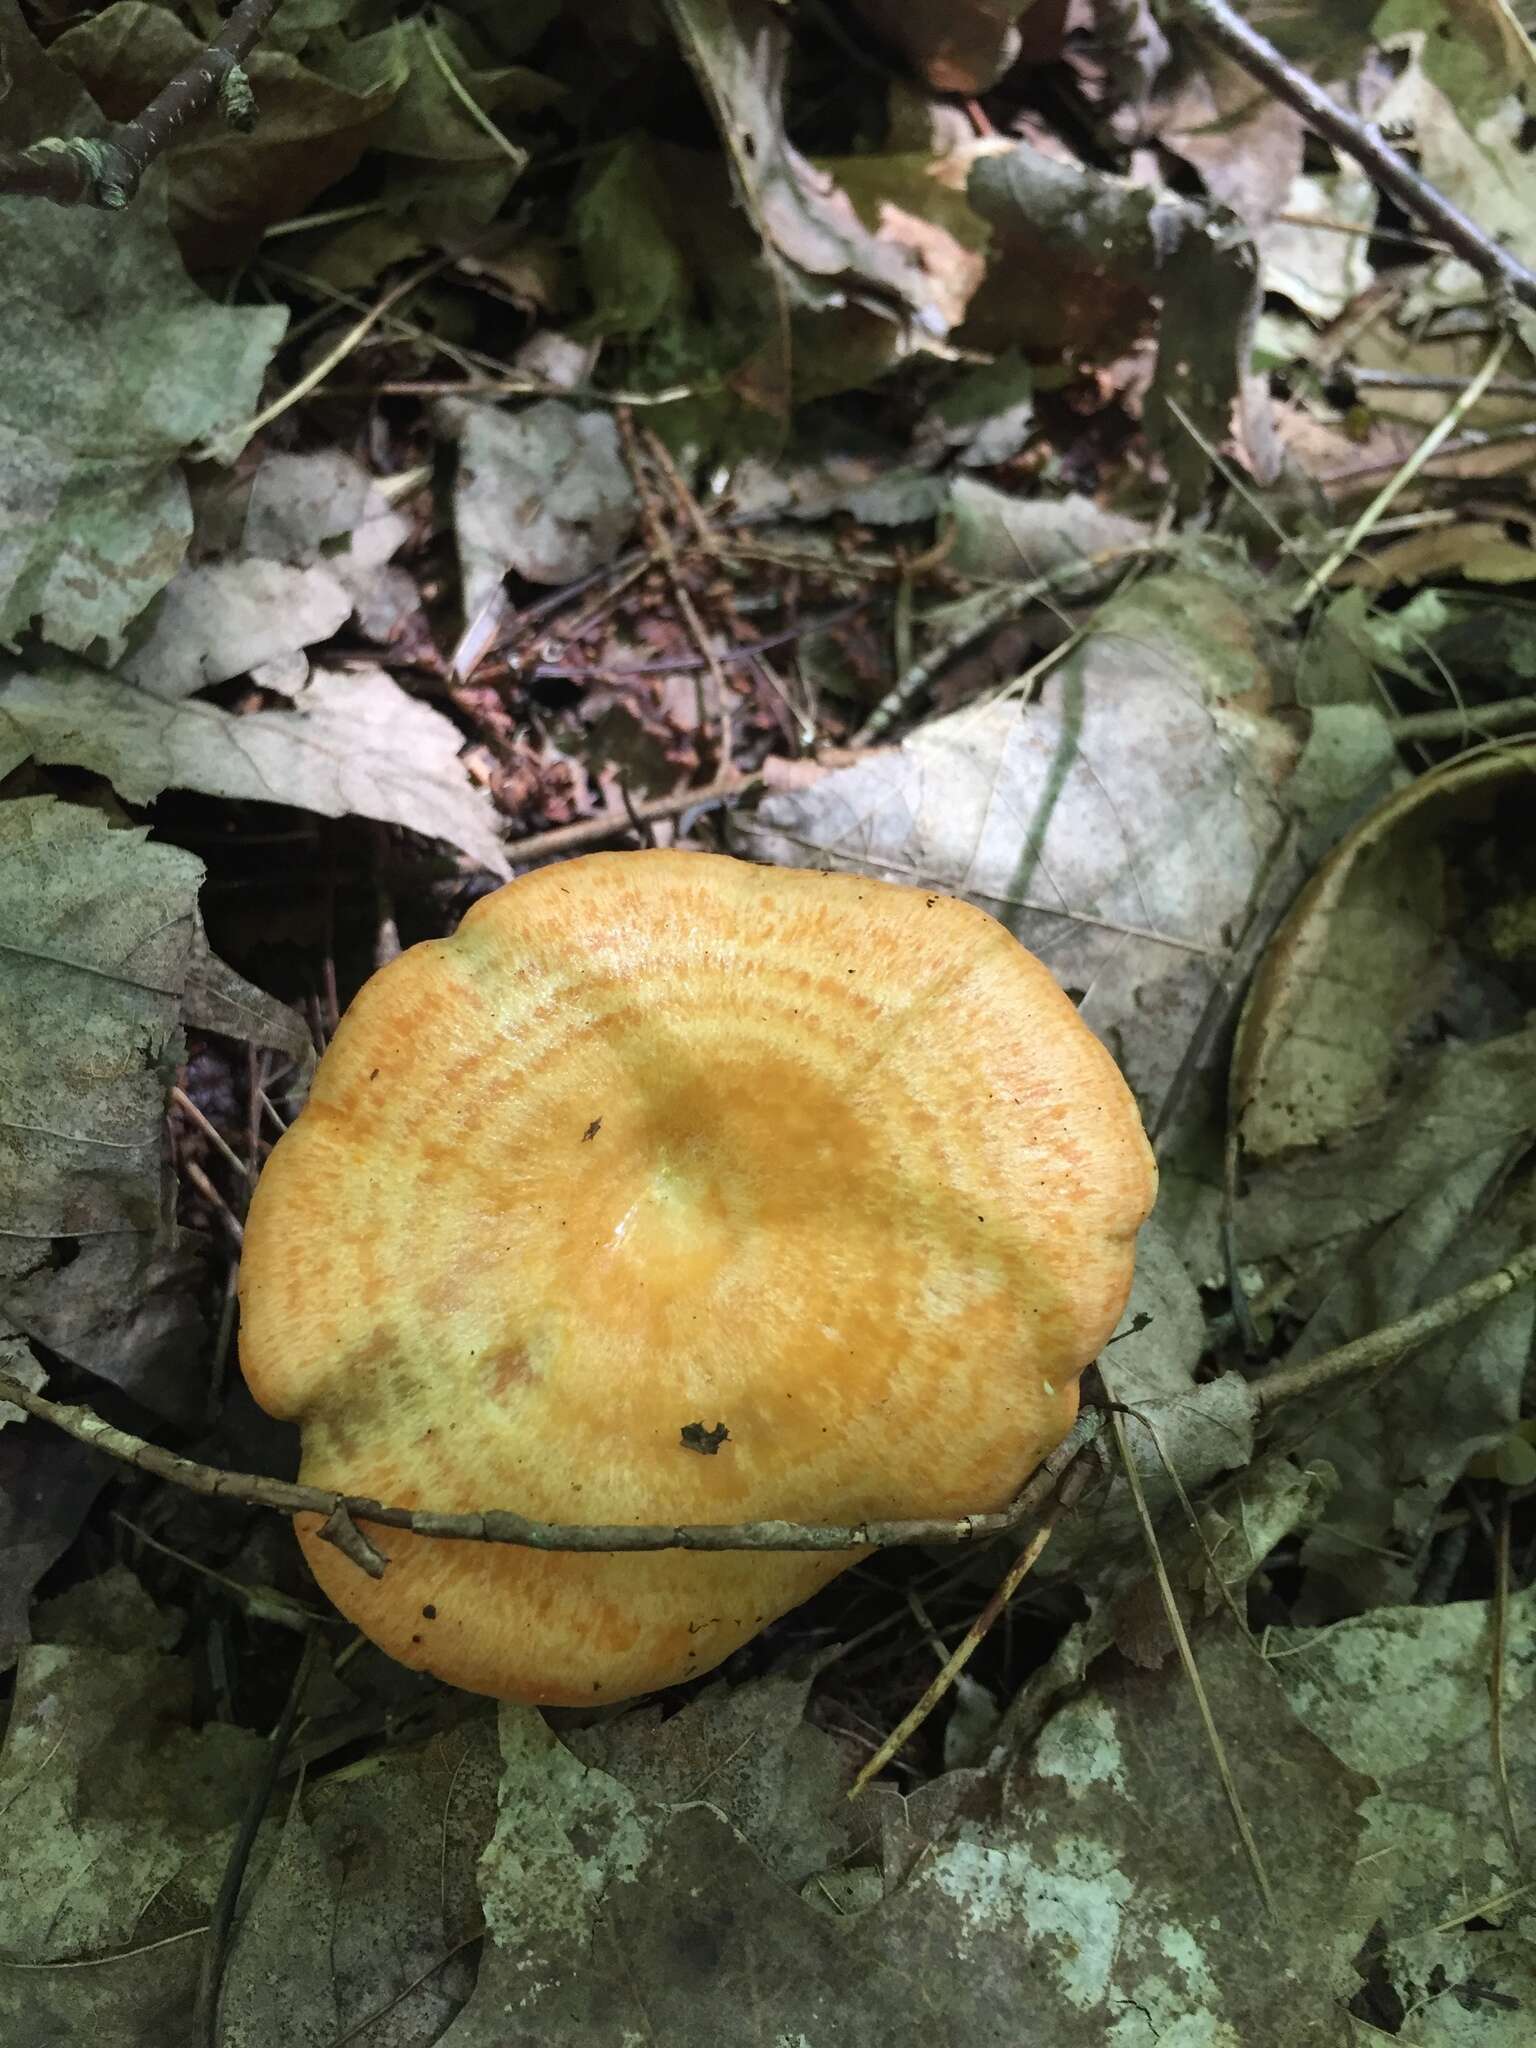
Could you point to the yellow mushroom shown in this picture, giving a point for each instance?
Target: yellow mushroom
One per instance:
(674, 1189)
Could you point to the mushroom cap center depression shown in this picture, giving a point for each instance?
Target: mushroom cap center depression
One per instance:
(749, 1239)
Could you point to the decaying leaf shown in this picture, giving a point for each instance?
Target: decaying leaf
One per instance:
(1118, 826)
(543, 491)
(957, 45)
(225, 619)
(47, 1486)
(325, 508)
(369, 1900)
(1196, 260)
(1198, 1428)
(354, 744)
(1401, 1444)
(740, 53)
(98, 935)
(1366, 954)
(96, 932)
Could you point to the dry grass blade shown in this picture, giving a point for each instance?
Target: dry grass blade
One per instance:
(1497, 1757)
(205, 2024)
(317, 373)
(1396, 484)
(1075, 1479)
(1192, 1670)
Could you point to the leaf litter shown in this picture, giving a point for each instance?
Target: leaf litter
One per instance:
(886, 438)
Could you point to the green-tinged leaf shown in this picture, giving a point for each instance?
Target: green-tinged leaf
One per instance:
(636, 269)
(675, 270)
(116, 364)
(428, 118)
(1475, 51)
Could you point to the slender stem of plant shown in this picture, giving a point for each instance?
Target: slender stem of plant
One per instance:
(1396, 484)
(1383, 1346)
(205, 2030)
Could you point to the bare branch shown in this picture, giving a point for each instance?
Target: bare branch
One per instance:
(1386, 1345)
(106, 170)
(342, 1512)
(1219, 23)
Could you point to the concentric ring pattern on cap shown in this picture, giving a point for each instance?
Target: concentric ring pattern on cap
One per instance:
(660, 1142)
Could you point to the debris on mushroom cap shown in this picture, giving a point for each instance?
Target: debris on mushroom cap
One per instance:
(673, 1189)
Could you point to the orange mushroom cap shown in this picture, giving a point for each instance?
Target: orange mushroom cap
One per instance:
(659, 1142)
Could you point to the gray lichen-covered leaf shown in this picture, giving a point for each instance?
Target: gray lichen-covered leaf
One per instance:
(1098, 1892)
(543, 491)
(355, 743)
(1112, 1900)
(1119, 826)
(369, 1902)
(129, 364)
(96, 930)
(113, 1809)
(1403, 1695)
(116, 1819)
